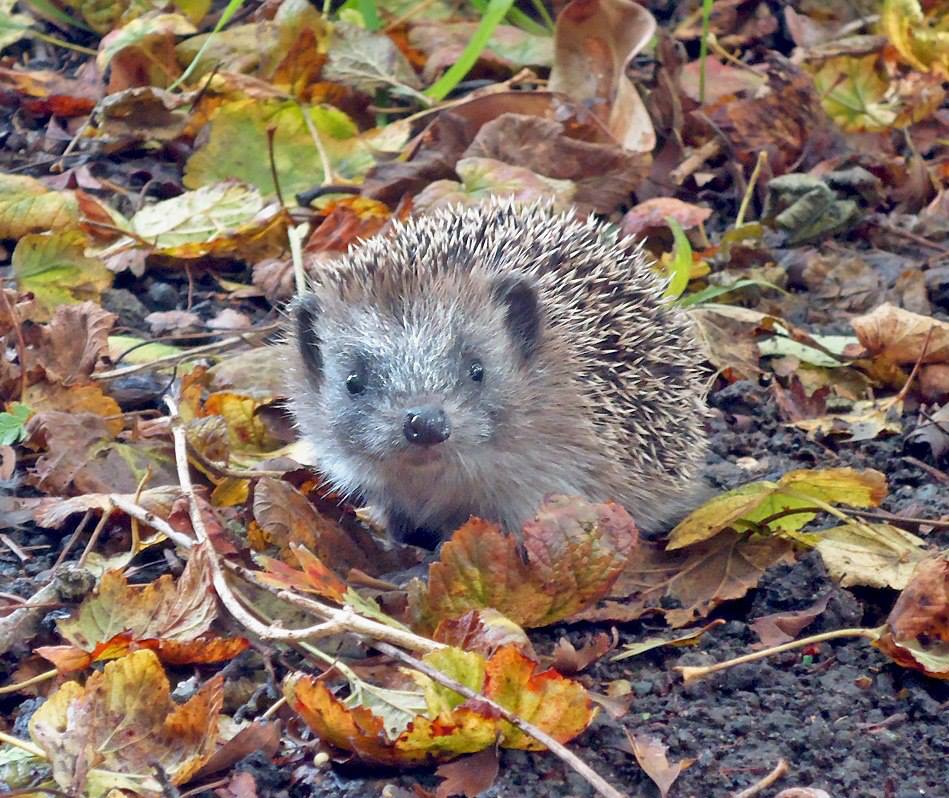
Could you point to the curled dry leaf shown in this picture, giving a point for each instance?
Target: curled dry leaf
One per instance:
(172, 618)
(594, 44)
(653, 213)
(916, 634)
(650, 753)
(109, 733)
(782, 627)
(484, 632)
(470, 776)
(693, 580)
(452, 725)
(897, 335)
(575, 551)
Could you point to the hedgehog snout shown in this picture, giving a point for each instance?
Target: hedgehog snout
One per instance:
(426, 425)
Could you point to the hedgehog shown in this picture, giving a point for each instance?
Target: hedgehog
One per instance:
(476, 359)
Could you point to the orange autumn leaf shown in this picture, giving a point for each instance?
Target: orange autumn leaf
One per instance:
(451, 725)
(109, 733)
(916, 634)
(172, 618)
(314, 578)
(575, 552)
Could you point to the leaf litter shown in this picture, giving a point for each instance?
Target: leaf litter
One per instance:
(151, 190)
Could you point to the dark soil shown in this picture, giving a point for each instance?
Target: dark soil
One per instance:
(845, 719)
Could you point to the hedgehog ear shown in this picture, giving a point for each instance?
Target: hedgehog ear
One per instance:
(522, 313)
(305, 312)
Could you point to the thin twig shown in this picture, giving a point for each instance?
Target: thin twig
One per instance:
(779, 770)
(20, 343)
(690, 674)
(935, 473)
(80, 528)
(593, 778)
(175, 358)
(94, 537)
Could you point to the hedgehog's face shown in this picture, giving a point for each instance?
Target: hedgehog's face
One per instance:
(413, 390)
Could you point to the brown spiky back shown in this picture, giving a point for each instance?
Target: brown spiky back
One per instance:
(634, 357)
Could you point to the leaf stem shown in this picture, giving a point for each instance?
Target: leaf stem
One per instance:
(690, 674)
(23, 745)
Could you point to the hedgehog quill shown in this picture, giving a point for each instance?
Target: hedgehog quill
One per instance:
(477, 359)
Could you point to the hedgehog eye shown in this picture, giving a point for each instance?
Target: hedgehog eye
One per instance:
(355, 383)
(476, 371)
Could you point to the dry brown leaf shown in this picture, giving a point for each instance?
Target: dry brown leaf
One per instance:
(470, 776)
(782, 627)
(871, 555)
(594, 43)
(694, 580)
(916, 634)
(898, 336)
(650, 753)
(109, 733)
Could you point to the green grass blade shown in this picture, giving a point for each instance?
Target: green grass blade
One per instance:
(703, 46)
(45, 7)
(495, 12)
(232, 8)
(681, 266)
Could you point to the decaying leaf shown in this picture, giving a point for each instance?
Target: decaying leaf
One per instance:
(575, 551)
(684, 585)
(874, 555)
(782, 627)
(172, 618)
(451, 725)
(594, 43)
(470, 776)
(107, 734)
(916, 634)
(898, 336)
(650, 753)
(776, 502)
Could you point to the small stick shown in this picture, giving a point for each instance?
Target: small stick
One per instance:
(779, 770)
(23, 556)
(936, 473)
(690, 674)
(80, 528)
(20, 343)
(17, 686)
(94, 537)
(593, 778)
(178, 356)
(752, 181)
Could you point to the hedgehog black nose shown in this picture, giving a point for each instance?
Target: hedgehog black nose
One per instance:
(426, 426)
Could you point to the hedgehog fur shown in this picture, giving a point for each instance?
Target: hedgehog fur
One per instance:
(541, 350)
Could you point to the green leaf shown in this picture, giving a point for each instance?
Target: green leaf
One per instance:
(13, 424)
(54, 267)
(681, 266)
(496, 11)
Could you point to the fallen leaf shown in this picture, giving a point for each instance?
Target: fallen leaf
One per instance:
(923, 43)
(575, 551)
(79, 729)
(653, 214)
(483, 177)
(314, 577)
(871, 555)
(483, 632)
(567, 659)
(898, 336)
(684, 585)
(469, 776)
(688, 638)
(80, 454)
(286, 519)
(933, 432)
(72, 344)
(650, 753)
(595, 42)
(172, 618)
(54, 268)
(451, 726)
(782, 627)
(237, 146)
(764, 501)
(916, 634)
